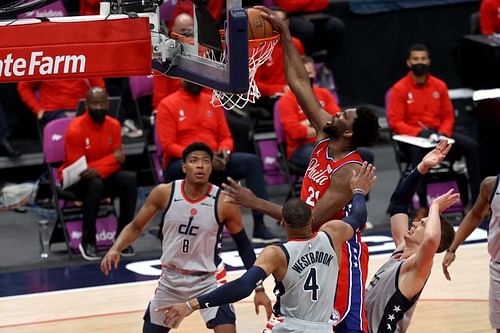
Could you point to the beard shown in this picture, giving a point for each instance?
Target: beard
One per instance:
(332, 131)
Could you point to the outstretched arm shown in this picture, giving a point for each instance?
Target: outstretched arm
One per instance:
(155, 201)
(244, 197)
(270, 261)
(296, 75)
(471, 221)
(401, 197)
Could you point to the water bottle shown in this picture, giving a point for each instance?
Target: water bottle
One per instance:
(44, 238)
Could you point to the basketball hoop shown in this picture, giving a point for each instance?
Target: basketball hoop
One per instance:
(259, 51)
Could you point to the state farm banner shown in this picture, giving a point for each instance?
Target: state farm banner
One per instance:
(69, 50)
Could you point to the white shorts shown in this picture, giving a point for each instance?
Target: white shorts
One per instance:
(293, 325)
(495, 294)
(174, 287)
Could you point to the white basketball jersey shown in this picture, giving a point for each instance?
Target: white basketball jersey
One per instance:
(191, 231)
(494, 228)
(308, 289)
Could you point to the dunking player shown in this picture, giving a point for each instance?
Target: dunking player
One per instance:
(194, 213)
(326, 182)
(395, 288)
(488, 201)
(305, 267)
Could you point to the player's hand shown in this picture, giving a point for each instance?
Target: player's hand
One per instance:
(261, 299)
(239, 195)
(110, 260)
(174, 314)
(89, 173)
(449, 257)
(434, 157)
(446, 200)
(277, 23)
(364, 178)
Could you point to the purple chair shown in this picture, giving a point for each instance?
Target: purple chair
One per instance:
(68, 227)
(141, 86)
(55, 9)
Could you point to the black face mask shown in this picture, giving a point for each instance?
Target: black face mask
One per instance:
(311, 80)
(419, 69)
(192, 89)
(97, 116)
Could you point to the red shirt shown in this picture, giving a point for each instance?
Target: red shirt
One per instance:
(97, 143)
(291, 115)
(89, 7)
(320, 171)
(270, 76)
(489, 17)
(55, 94)
(412, 106)
(183, 119)
(296, 6)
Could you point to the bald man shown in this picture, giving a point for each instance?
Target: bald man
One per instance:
(97, 136)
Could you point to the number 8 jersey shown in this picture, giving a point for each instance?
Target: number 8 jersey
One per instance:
(308, 289)
(191, 231)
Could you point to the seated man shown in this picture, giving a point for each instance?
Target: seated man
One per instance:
(56, 96)
(98, 137)
(300, 135)
(187, 116)
(419, 105)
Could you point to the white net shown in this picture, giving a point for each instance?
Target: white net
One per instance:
(259, 51)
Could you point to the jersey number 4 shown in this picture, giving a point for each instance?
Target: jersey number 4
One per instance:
(311, 284)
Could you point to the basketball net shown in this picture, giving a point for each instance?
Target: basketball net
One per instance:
(259, 51)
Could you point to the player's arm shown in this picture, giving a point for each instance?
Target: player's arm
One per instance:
(269, 261)
(336, 197)
(401, 198)
(416, 269)
(244, 197)
(296, 75)
(471, 221)
(156, 201)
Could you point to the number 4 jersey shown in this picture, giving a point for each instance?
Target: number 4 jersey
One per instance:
(308, 288)
(191, 231)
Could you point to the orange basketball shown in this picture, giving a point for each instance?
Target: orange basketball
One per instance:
(258, 27)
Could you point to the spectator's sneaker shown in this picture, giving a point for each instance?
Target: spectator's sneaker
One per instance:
(262, 235)
(88, 251)
(129, 129)
(128, 252)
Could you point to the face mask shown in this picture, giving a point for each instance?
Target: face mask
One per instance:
(419, 69)
(97, 116)
(311, 80)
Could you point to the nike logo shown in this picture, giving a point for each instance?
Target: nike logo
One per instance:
(178, 199)
(207, 305)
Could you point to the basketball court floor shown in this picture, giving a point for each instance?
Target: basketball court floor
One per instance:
(80, 299)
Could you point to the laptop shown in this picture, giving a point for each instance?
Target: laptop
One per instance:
(114, 106)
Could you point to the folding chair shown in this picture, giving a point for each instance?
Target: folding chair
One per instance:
(68, 226)
(293, 173)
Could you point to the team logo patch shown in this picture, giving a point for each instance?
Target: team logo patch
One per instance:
(435, 95)
(194, 211)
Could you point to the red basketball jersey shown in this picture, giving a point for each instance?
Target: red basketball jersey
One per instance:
(320, 171)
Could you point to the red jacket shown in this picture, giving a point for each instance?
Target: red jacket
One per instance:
(300, 6)
(55, 94)
(291, 115)
(270, 76)
(97, 143)
(183, 119)
(89, 7)
(411, 107)
(489, 17)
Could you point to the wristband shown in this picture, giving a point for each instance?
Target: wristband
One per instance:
(189, 306)
(358, 190)
(260, 287)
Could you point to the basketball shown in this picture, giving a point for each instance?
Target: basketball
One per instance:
(258, 27)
